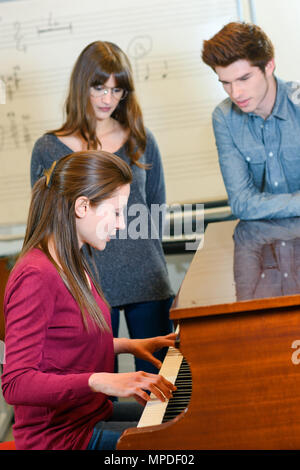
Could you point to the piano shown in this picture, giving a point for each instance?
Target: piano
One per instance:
(238, 311)
(175, 369)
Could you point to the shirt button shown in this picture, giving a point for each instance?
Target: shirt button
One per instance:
(271, 154)
(248, 159)
(275, 183)
(262, 275)
(285, 274)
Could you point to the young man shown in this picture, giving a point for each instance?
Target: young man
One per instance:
(257, 129)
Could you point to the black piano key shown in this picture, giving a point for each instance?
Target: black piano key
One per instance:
(182, 395)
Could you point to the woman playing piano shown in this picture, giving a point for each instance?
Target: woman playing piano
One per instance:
(102, 112)
(59, 370)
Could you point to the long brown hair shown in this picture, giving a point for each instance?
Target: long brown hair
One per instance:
(235, 41)
(93, 67)
(93, 174)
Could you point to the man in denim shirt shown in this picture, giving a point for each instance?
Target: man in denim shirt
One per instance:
(257, 129)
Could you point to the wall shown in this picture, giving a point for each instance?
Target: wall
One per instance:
(39, 42)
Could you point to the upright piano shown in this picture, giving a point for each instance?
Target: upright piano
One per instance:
(238, 313)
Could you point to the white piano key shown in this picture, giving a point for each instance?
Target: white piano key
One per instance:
(155, 409)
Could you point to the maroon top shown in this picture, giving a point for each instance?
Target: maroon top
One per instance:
(49, 359)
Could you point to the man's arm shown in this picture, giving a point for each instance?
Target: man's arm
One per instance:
(245, 200)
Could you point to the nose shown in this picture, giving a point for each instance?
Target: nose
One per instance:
(121, 222)
(235, 91)
(107, 97)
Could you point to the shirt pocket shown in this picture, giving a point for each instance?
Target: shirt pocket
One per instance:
(256, 160)
(290, 160)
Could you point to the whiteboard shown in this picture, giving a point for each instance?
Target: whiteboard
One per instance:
(39, 43)
(280, 20)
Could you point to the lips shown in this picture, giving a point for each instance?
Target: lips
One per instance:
(243, 104)
(105, 109)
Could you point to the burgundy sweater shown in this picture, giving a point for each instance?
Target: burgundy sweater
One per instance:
(49, 359)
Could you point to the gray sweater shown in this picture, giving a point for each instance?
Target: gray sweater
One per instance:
(130, 269)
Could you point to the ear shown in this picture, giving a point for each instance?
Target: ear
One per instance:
(82, 205)
(270, 67)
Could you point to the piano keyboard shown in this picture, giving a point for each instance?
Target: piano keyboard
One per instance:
(176, 370)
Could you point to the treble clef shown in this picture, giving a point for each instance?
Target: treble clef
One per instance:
(138, 48)
(18, 37)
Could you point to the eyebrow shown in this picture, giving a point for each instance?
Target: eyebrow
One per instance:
(239, 78)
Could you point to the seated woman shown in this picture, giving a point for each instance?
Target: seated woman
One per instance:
(60, 350)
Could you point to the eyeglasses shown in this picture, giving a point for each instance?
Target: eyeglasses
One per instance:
(101, 90)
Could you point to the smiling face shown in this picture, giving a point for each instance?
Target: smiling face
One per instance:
(248, 87)
(96, 224)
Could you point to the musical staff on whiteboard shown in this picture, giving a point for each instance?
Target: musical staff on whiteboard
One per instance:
(54, 26)
(190, 164)
(153, 16)
(20, 84)
(39, 42)
(14, 187)
(191, 114)
(187, 114)
(12, 82)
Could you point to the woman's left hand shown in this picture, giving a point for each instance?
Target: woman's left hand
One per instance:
(144, 348)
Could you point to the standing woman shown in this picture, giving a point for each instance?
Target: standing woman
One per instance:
(102, 112)
(59, 368)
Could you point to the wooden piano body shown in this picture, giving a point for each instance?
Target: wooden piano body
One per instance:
(246, 384)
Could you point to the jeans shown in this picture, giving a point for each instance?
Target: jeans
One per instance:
(107, 433)
(145, 320)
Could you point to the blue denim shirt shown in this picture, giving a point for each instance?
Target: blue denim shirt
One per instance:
(267, 258)
(260, 159)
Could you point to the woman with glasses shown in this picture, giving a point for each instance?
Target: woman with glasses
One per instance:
(102, 112)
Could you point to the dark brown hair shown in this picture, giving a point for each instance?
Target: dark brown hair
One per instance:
(235, 41)
(93, 174)
(93, 67)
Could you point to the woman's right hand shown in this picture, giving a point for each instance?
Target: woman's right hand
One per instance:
(132, 384)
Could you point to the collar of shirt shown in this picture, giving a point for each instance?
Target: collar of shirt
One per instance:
(280, 107)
